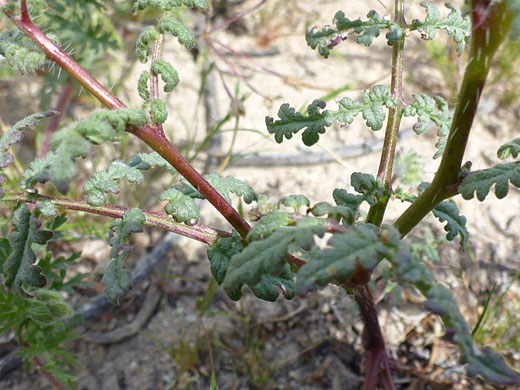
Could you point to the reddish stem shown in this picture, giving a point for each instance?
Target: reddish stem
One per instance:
(61, 106)
(373, 340)
(53, 381)
(150, 135)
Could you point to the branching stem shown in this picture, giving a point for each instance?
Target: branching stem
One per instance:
(197, 232)
(153, 138)
(491, 23)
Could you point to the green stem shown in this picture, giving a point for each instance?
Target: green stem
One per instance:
(490, 26)
(384, 174)
(197, 232)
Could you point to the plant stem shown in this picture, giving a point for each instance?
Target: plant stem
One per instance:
(61, 106)
(153, 138)
(197, 232)
(386, 163)
(490, 25)
(373, 341)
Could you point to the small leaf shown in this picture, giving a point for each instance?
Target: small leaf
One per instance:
(19, 267)
(456, 223)
(147, 36)
(270, 286)
(167, 5)
(429, 109)
(145, 161)
(267, 225)
(329, 37)
(181, 207)
(117, 280)
(295, 201)
(224, 186)
(371, 106)
(15, 135)
(220, 253)
(440, 301)
(21, 52)
(291, 122)
(367, 185)
(177, 29)
(480, 182)
(454, 24)
(510, 149)
(106, 181)
(168, 74)
(344, 213)
(362, 246)
(268, 256)
(47, 208)
(142, 86)
(159, 111)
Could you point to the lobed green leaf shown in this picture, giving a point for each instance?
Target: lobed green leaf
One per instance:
(19, 267)
(181, 207)
(224, 186)
(455, 25)
(142, 86)
(104, 182)
(177, 29)
(21, 53)
(117, 279)
(455, 223)
(168, 74)
(291, 122)
(58, 166)
(159, 111)
(329, 37)
(15, 135)
(295, 201)
(361, 246)
(145, 161)
(267, 256)
(440, 301)
(220, 253)
(147, 36)
(510, 149)
(480, 182)
(167, 5)
(429, 109)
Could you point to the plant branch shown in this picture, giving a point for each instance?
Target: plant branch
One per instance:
(61, 106)
(490, 25)
(197, 232)
(373, 341)
(153, 138)
(384, 174)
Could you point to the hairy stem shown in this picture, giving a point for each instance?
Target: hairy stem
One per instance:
(197, 232)
(373, 341)
(386, 163)
(153, 138)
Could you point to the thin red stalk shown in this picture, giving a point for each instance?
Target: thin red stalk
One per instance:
(53, 381)
(247, 59)
(233, 69)
(61, 106)
(156, 140)
(197, 232)
(25, 24)
(373, 341)
(236, 17)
